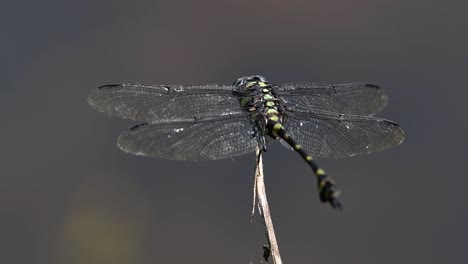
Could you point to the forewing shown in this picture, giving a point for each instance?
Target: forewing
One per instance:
(351, 99)
(212, 139)
(149, 103)
(331, 135)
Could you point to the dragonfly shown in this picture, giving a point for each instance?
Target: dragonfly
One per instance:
(220, 121)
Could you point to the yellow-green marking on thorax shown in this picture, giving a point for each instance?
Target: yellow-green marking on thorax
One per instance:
(250, 84)
(272, 111)
(274, 118)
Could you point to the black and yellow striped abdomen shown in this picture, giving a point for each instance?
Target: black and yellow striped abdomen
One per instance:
(327, 188)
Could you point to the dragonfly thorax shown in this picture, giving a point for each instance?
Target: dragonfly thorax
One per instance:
(261, 102)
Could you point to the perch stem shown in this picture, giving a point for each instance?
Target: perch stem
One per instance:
(264, 211)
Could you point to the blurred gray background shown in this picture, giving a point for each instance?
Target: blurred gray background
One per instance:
(68, 195)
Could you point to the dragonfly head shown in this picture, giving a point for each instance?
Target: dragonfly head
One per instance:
(242, 81)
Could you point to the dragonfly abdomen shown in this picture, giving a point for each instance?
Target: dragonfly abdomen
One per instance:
(276, 130)
(327, 188)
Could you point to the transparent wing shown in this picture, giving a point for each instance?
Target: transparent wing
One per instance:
(331, 135)
(210, 139)
(351, 99)
(149, 103)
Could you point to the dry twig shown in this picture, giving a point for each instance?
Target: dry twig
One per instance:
(264, 211)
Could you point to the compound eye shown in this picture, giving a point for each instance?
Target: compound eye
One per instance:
(256, 78)
(241, 81)
(260, 78)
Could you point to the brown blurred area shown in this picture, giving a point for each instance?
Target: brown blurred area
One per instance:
(68, 195)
